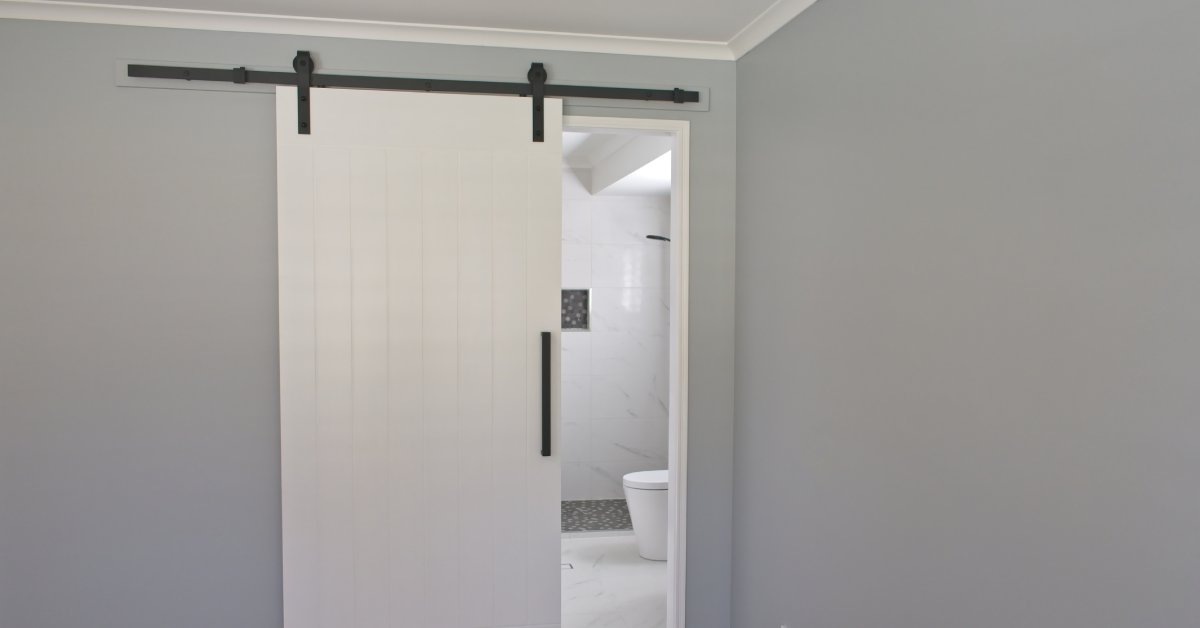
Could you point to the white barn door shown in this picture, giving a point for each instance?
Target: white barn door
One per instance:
(419, 243)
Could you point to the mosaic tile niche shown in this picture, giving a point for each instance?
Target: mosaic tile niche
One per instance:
(576, 310)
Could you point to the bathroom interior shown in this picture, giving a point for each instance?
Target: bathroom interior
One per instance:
(616, 259)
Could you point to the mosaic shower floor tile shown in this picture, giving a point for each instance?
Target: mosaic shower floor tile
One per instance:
(595, 515)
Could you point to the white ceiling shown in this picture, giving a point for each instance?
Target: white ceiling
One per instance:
(709, 29)
(619, 164)
(652, 179)
(705, 20)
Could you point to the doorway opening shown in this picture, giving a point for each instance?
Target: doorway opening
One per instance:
(624, 371)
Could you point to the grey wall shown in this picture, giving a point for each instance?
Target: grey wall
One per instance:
(968, 298)
(139, 439)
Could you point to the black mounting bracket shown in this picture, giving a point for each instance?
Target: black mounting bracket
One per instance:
(303, 64)
(537, 86)
(305, 77)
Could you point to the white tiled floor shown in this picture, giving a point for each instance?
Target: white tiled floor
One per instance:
(610, 586)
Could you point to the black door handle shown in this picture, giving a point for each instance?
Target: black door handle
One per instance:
(545, 393)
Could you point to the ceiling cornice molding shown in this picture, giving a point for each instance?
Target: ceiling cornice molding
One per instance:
(774, 18)
(754, 33)
(124, 15)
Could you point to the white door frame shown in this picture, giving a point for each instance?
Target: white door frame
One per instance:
(680, 131)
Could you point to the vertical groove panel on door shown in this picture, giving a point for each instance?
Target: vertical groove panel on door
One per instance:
(475, 382)
(406, 516)
(335, 403)
(509, 365)
(297, 395)
(440, 355)
(544, 314)
(368, 242)
(419, 244)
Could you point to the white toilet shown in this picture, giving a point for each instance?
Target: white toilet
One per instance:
(646, 494)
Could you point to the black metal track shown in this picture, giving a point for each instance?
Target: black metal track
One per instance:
(305, 70)
(411, 84)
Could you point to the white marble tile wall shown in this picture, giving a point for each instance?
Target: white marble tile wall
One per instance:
(615, 376)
